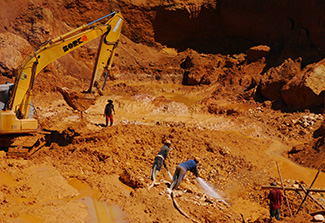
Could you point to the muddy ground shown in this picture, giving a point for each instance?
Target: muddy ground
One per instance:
(238, 152)
(90, 173)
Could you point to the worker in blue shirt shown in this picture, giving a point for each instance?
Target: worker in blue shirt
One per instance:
(181, 170)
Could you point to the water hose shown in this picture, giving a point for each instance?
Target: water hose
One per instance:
(179, 208)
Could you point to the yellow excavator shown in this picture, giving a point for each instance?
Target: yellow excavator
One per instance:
(16, 107)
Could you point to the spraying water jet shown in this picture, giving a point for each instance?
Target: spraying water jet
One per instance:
(208, 189)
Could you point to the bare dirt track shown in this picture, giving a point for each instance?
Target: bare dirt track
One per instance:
(203, 95)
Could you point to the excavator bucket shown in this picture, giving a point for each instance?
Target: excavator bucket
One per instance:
(77, 100)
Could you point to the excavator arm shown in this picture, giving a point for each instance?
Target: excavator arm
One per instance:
(16, 117)
(106, 52)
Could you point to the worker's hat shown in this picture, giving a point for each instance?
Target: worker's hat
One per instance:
(110, 100)
(197, 159)
(168, 142)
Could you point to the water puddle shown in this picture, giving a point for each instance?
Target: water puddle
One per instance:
(9, 181)
(181, 98)
(6, 179)
(98, 211)
(83, 188)
(26, 218)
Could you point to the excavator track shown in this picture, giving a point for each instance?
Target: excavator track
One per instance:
(15, 152)
(26, 146)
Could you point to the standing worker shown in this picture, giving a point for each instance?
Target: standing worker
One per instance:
(160, 160)
(275, 197)
(181, 170)
(108, 113)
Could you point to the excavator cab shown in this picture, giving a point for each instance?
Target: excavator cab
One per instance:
(10, 122)
(5, 90)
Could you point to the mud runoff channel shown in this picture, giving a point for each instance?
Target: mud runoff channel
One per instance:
(291, 170)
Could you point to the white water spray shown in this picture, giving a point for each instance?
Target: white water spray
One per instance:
(171, 177)
(209, 190)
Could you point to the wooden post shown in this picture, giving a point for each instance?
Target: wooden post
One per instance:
(285, 195)
(307, 192)
(298, 193)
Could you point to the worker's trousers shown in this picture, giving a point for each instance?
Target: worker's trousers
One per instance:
(178, 177)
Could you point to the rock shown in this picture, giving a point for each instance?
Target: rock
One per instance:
(2, 154)
(194, 76)
(275, 78)
(230, 62)
(170, 51)
(224, 151)
(257, 52)
(321, 129)
(128, 178)
(296, 149)
(201, 71)
(318, 218)
(267, 104)
(2, 197)
(12, 53)
(306, 90)
(147, 153)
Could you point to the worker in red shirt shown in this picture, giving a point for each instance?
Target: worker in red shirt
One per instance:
(108, 113)
(275, 197)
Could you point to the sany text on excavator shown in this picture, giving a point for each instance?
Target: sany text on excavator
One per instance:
(16, 107)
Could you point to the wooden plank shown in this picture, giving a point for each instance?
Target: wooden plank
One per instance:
(284, 191)
(292, 188)
(299, 194)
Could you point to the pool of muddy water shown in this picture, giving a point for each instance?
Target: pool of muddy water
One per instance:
(98, 211)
